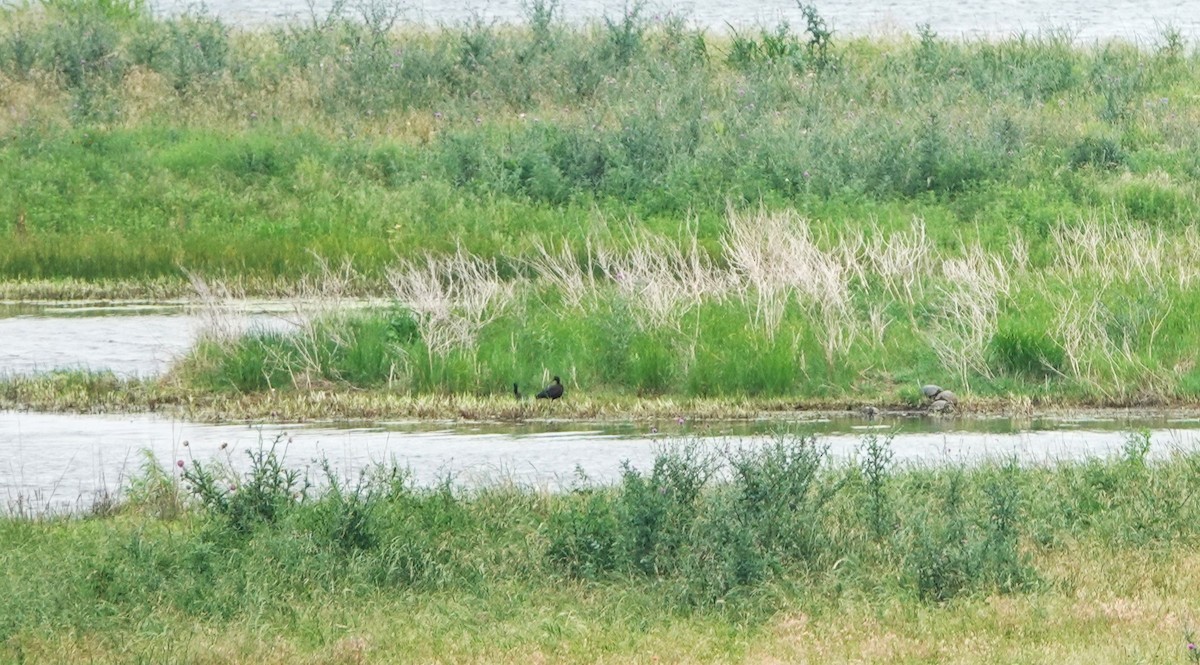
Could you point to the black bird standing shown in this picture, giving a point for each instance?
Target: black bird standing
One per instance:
(552, 391)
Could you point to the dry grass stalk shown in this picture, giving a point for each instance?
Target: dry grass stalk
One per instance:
(903, 261)
(968, 298)
(776, 257)
(560, 268)
(662, 280)
(452, 296)
(212, 302)
(1118, 253)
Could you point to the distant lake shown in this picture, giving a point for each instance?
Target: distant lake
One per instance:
(1089, 20)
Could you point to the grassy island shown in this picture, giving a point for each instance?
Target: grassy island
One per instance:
(636, 205)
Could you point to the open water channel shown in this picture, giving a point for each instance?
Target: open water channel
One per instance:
(1087, 20)
(64, 462)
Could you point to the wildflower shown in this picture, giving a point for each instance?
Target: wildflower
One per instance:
(806, 175)
(224, 445)
(179, 463)
(679, 420)
(1191, 646)
(185, 444)
(438, 115)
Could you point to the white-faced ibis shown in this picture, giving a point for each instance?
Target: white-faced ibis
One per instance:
(552, 391)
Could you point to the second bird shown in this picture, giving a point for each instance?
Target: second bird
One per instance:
(552, 391)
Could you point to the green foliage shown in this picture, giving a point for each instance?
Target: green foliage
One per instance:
(116, 10)
(262, 496)
(348, 138)
(582, 537)
(952, 554)
(1026, 350)
(767, 528)
(625, 34)
(876, 467)
(1097, 151)
(190, 50)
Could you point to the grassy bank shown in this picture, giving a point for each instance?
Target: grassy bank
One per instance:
(134, 146)
(753, 555)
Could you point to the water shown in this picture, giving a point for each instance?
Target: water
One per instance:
(63, 462)
(1090, 20)
(130, 339)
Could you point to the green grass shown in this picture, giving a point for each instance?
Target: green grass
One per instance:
(137, 146)
(784, 556)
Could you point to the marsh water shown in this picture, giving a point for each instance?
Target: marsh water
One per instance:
(59, 463)
(130, 339)
(1088, 20)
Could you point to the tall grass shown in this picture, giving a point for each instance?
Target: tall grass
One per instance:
(791, 311)
(729, 536)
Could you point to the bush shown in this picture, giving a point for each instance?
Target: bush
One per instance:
(261, 496)
(949, 555)
(583, 535)
(655, 515)
(1099, 152)
(782, 496)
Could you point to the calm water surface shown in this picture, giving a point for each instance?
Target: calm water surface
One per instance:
(127, 338)
(1088, 19)
(60, 462)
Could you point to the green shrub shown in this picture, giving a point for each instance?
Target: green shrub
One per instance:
(782, 496)
(655, 514)
(1099, 152)
(583, 535)
(262, 495)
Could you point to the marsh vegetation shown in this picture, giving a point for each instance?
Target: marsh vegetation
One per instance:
(633, 204)
(754, 552)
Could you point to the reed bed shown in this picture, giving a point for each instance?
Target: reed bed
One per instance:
(789, 311)
(185, 143)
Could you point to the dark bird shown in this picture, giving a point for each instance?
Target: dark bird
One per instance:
(516, 391)
(552, 391)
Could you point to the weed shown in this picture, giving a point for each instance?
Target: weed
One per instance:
(262, 495)
(876, 467)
